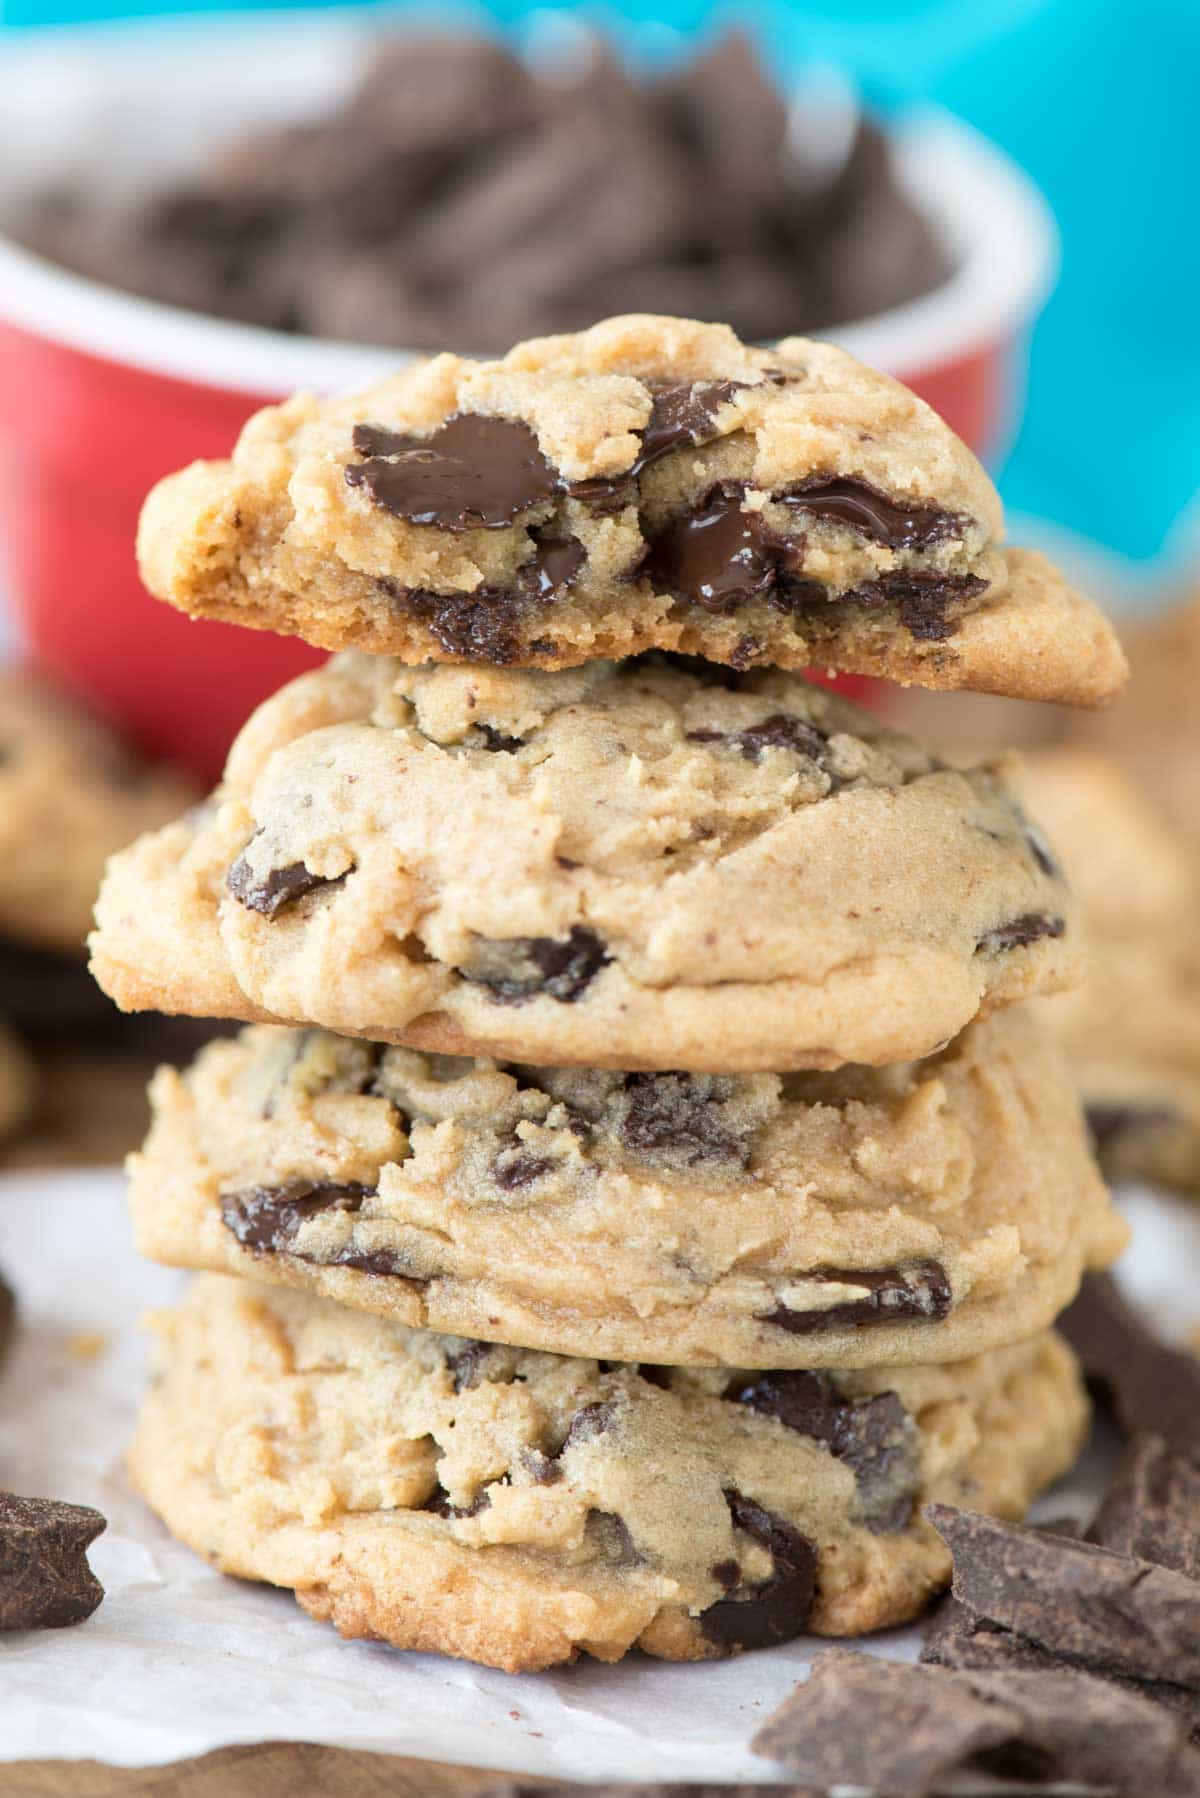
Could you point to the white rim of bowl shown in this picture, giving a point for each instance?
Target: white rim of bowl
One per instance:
(992, 218)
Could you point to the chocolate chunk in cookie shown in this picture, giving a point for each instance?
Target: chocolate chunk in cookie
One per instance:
(45, 1580)
(861, 507)
(522, 967)
(771, 1610)
(1030, 927)
(679, 1120)
(268, 893)
(875, 1437)
(919, 1289)
(268, 1219)
(471, 474)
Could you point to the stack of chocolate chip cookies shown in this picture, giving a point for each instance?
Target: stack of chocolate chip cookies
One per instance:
(641, 1186)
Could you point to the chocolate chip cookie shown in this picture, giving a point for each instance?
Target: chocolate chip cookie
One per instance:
(1132, 1031)
(649, 865)
(70, 793)
(517, 1508)
(1155, 732)
(648, 483)
(914, 1213)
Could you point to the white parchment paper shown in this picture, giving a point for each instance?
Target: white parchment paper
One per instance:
(179, 1660)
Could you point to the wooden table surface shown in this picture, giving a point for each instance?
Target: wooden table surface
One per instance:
(91, 1111)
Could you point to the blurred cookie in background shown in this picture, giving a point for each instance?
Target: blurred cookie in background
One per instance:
(1132, 1031)
(16, 1096)
(71, 792)
(1154, 732)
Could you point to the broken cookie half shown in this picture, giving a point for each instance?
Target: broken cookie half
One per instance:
(651, 483)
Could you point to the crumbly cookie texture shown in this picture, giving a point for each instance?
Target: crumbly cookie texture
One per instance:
(651, 483)
(1132, 1031)
(644, 866)
(873, 1216)
(17, 1081)
(516, 1508)
(1155, 732)
(70, 794)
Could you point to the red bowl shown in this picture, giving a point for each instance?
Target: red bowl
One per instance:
(101, 393)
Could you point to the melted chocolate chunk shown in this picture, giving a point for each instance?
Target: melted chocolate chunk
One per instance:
(515, 1168)
(439, 1503)
(466, 1364)
(45, 1581)
(776, 1609)
(498, 743)
(542, 1470)
(865, 509)
(266, 1219)
(873, 1436)
(483, 626)
(680, 417)
(923, 601)
(473, 473)
(518, 967)
(717, 556)
(779, 731)
(552, 567)
(268, 893)
(678, 1118)
(588, 1423)
(1030, 927)
(917, 1289)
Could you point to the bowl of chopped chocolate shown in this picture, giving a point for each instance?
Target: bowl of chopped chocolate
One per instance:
(185, 237)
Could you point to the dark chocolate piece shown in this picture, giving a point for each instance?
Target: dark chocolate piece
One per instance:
(861, 1721)
(520, 967)
(886, 1726)
(717, 556)
(498, 743)
(1152, 1508)
(473, 473)
(268, 893)
(917, 1289)
(1149, 1386)
(482, 626)
(955, 1638)
(1031, 927)
(780, 731)
(551, 569)
(1082, 1602)
(267, 1219)
(875, 1437)
(466, 1364)
(678, 1119)
(439, 1503)
(775, 1609)
(514, 1168)
(45, 1580)
(588, 1423)
(923, 601)
(864, 508)
(680, 417)
(1040, 849)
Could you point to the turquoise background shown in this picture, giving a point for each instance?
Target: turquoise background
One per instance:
(1098, 100)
